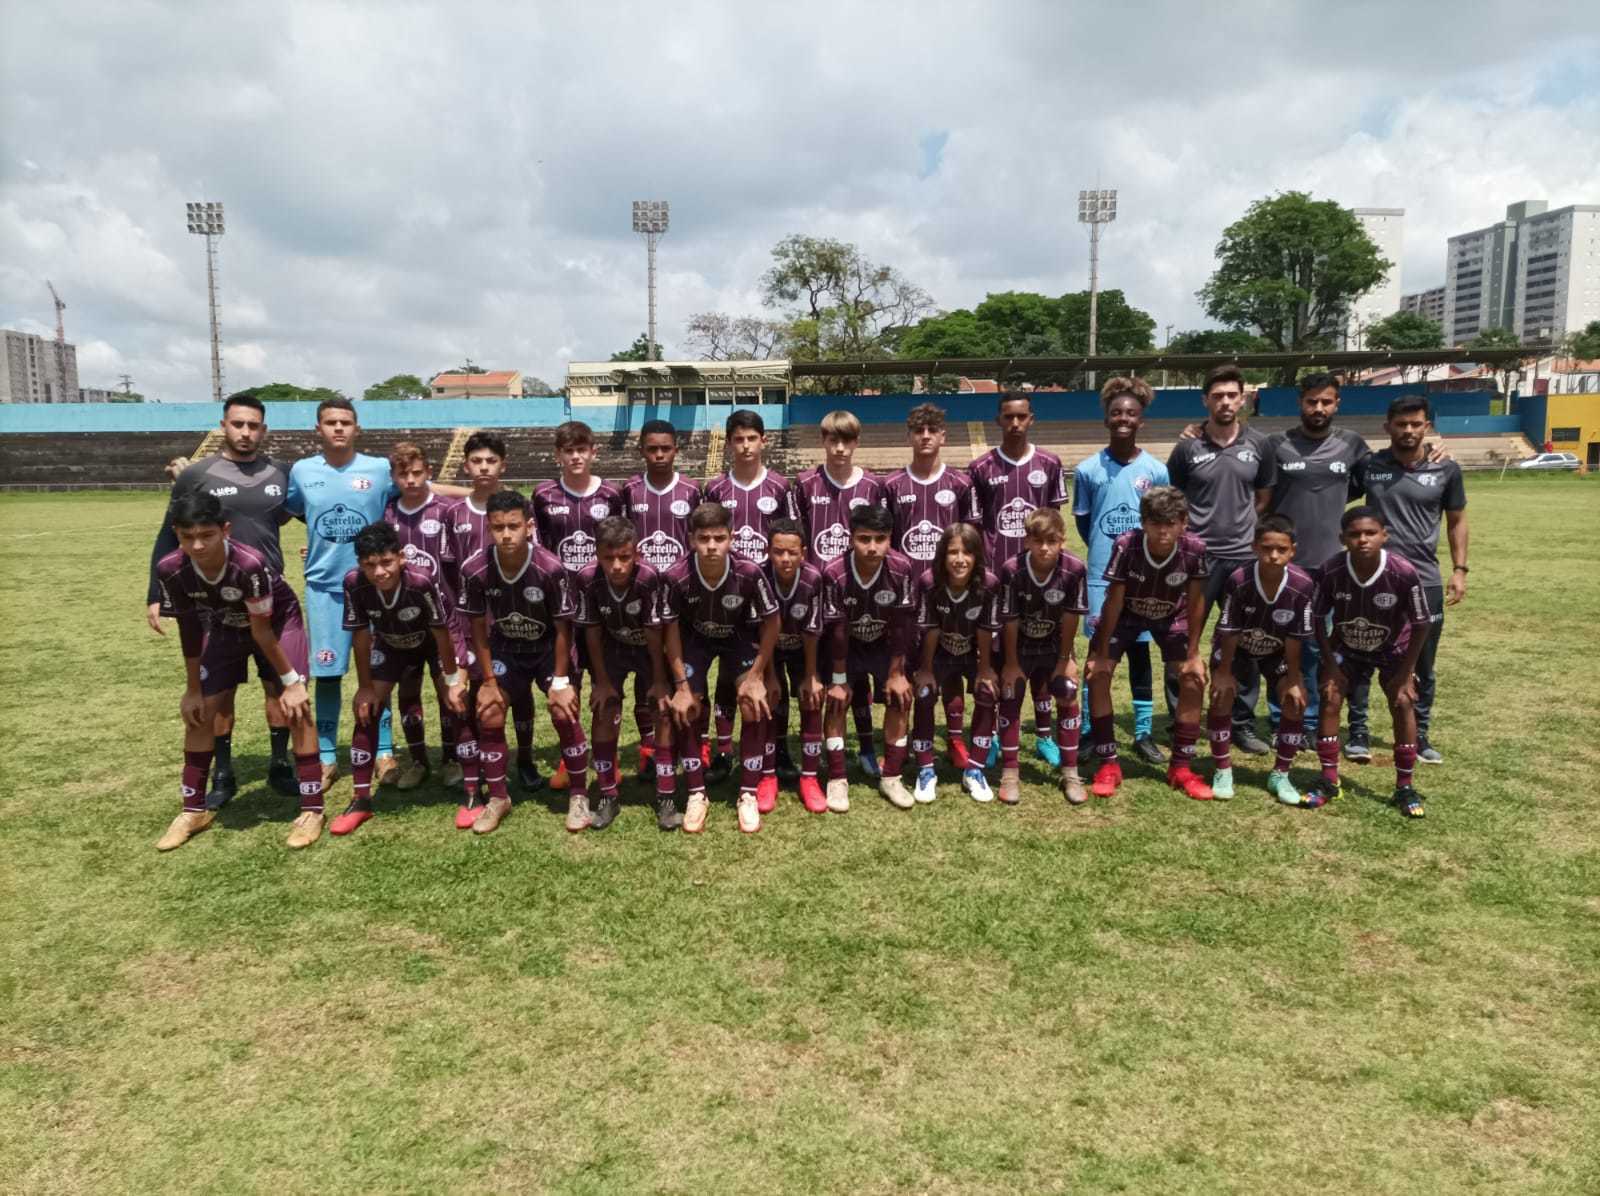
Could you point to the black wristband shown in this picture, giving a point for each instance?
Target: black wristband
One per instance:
(1461, 569)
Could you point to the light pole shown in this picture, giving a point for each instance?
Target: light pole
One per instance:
(205, 219)
(1166, 349)
(1094, 209)
(650, 217)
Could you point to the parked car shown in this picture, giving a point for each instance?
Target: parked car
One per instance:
(1550, 461)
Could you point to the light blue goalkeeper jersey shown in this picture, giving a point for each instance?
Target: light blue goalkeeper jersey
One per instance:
(336, 504)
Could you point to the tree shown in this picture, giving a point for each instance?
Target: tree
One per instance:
(1405, 330)
(401, 386)
(716, 336)
(638, 351)
(288, 392)
(1494, 338)
(532, 384)
(1290, 268)
(955, 334)
(1585, 345)
(1219, 340)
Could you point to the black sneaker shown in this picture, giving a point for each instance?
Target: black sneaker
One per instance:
(603, 811)
(1428, 754)
(1357, 750)
(1148, 750)
(282, 778)
(1406, 800)
(667, 816)
(1248, 742)
(529, 776)
(1319, 794)
(223, 788)
(788, 770)
(720, 770)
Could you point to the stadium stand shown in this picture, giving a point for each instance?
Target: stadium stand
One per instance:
(91, 460)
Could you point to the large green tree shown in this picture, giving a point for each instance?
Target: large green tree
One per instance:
(400, 386)
(1405, 330)
(638, 351)
(288, 392)
(1494, 338)
(1585, 345)
(1218, 340)
(1290, 268)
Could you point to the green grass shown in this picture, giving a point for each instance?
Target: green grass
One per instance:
(1146, 995)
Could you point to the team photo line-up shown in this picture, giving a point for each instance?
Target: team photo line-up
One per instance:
(834, 592)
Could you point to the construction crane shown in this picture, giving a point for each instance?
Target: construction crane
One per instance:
(61, 330)
(61, 345)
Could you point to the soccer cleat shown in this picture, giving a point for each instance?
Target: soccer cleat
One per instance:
(306, 830)
(1010, 786)
(412, 775)
(767, 795)
(1407, 800)
(451, 774)
(719, 770)
(1048, 751)
(385, 770)
(977, 785)
(330, 774)
(1248, 742)
(960, 758)
(467, 813)
(927, 785)
(1107, 778)
(993, 758)
(1357, 751)
(1319, 795)
(531, 779)
(838, 800)
(867, 761)
(357, 812)
(604, 812)
(667, 816)
(1279, 785)
(788, 770)
(694, 818)
(282, 778)
(1148, 750)
(811, 796)
(185, 827)
(1182, 778)
(577, 812)
(1426, 754)
(491, 815)
(1222, 784)
(647, 765)
(895, 790)
(749, 813)
(1072, 786)
(558, 780)
(223, 787)
(705, 758)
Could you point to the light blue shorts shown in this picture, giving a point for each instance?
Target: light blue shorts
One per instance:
(330, 642)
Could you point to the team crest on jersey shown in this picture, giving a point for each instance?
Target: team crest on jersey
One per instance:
(273, 490)
(798, 610)
(361, 483)
(1141, 484)
(1427, 479)
(1383, 601)
(1363, 634)
(499, 668)
(533, 593)
(1283, 617)
(749, 543)
(231, 593)
(883, 597)
(1338, 467)
(577, 550)
(325, 656)
(921, 541)
(599, 510)
(659, 550)
(410, 613)
(1037, 477)
(1177, 578)
(944, 497)
(378, 657)
(430, 527)
(732, 601)
(766, 504)
(1013, 516)
(1053, 595)
(1247, 455)
(831, 541)
(679, 508)
(633, 607)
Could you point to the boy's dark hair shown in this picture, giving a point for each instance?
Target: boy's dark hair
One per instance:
(574, 434)
(506, 500)
(1222, 373)
(484, 440)
(1361, 512)
(337, 403)
(785, 527)
(1406, 404)
(744, 418)
(1014, 396)
(376, 539)
(1281, 524)
(614, 531)
(972, 540)
(1321, 380)
(657, 427)
(244, 399)
(871, 518)
(709, 515)
(1136, 389)
(198, 510)
(1164, 504)
(925, 415)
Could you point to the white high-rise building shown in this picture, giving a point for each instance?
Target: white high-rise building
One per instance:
(1557, 288)
(1386, 228)
(35, 369)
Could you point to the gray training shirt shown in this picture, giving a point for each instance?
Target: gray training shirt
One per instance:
(1313, 486)
(251, 493)
(1412, 502)
(1220, 484)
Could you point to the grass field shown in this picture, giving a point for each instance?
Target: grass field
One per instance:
(1145, 995)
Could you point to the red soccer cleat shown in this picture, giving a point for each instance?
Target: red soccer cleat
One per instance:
(811, 796)
(561, 780)
(349, 820)
(767, 794)
(959, 759)
(1107, 779)
(466, 815)
(705, 755)
(1183, 779)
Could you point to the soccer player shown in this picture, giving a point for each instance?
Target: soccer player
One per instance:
(924, 498)
(717, 606)
(232, 608)
(1043, 593)
(1266, 615)
(797, 586)
(1226, 473)
(518, 599)
(1106, 489)
(869, 608)
(1380, 624)
(251, 487)
(618, 609)
(1411, 491)
(1157, 577)
(400, 625)
(958, 603)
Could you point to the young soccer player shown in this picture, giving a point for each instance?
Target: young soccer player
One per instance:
(869, 608)
(1380, 624)
(619, 613)
(400, 626)
(232, 608)
(797, 585)
(1043, 594)
(1266, 614)
(518, 599)
(1157, 578)
(958, 603)
(717, 606)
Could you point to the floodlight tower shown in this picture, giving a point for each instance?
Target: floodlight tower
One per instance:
(650, 218)
(1094, 209)
(205, 219)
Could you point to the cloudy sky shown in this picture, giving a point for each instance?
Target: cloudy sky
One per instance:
(410, 183)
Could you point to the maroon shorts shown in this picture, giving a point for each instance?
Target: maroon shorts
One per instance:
(867, 665)
(225, 657)
(392, 664)
(1171, 634)
(1359, 666)
(519, 671)
(734, 659)
(1271, 667)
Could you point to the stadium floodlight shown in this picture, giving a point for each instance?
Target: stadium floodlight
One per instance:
(650, 217)
(1094, 209)
(206, 220)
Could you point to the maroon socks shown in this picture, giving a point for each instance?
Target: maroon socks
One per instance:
(308, 768)
(192, 788)
(1220, 727)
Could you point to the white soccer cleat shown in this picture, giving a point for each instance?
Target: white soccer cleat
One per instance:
(977, 785)
(839, 796)
(927, 786)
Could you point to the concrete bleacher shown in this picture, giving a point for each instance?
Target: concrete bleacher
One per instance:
(91, 460)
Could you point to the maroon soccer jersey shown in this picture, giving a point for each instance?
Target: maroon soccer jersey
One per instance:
(725, 617)
(800, 606)
(402, 619)
(958, 617)
(567, 520)
(426, 538)
(923, 509)
(1377, 616)
(876, 610)
(1005, 491)
(222, 605)
(522, 609)
(753, 508)
(662, 518)
(468, 534)
(1037, 603)
(625, 616)
(1264, 622)
(1155, 590)
(824, 509)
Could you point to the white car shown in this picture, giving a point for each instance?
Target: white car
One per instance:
(1550, 461)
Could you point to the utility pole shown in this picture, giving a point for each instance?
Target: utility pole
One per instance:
(1166, 348)
(1094, 209)
(127, 384)
(650, 217)
(205, 219)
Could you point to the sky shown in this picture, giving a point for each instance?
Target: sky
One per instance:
(411, 184)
